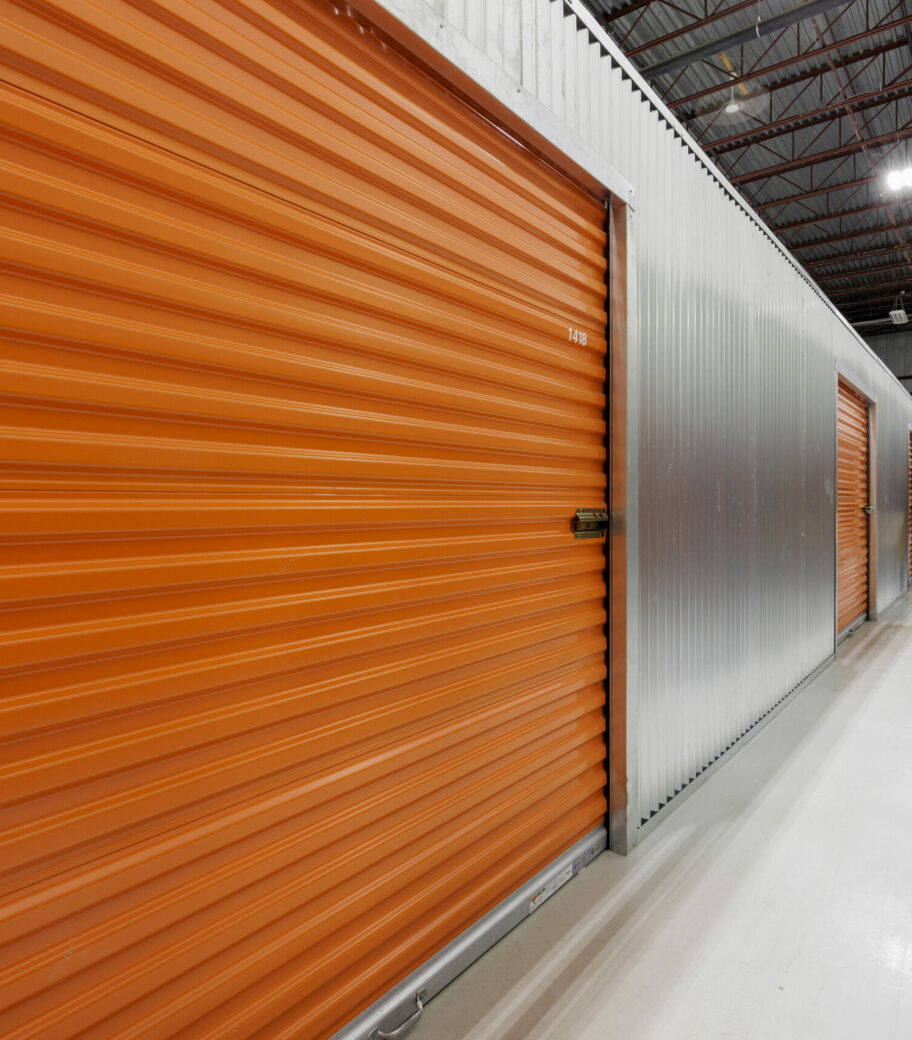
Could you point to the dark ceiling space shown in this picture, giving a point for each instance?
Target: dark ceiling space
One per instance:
(807, 107)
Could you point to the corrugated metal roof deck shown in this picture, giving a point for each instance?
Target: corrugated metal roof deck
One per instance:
(796, 89)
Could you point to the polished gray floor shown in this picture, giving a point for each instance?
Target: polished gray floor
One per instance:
(775, 903)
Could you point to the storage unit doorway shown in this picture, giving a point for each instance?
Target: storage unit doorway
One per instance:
(855, 509)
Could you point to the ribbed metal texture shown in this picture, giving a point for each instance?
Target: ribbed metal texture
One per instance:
(732, 380)
(852, 500)
(709, 123)
(302, 667)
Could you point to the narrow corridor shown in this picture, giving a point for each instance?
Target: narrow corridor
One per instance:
(774, 904)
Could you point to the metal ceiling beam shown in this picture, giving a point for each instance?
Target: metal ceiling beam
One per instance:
(905, 7)
(871, 308)
(900, 268)
(822, 217)
(865, 308)
(879, 229)
(857, 311)
(861, 273)
(866, 320)
(818, 157)
(619, 12)
(866, 299)
(814, 193)
(865, 142)
(789, 124)
(698, 24)
(761, 28)
(787, 63)
(858, 291)
(800, 77)
(846, 258)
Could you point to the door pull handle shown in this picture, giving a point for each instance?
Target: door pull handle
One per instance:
(378, 1034)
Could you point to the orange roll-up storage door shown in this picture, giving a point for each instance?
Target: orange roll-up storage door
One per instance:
(852, 501)
(303, 381)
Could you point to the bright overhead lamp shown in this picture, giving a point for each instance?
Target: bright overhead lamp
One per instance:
(733, 106)
(900, 179)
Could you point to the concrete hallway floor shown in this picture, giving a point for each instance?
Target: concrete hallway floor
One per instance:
(774, 903)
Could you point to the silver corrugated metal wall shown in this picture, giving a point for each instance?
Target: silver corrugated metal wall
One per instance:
(732, 392)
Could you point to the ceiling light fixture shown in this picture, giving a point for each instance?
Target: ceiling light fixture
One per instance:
(898, 313)
(733, 106)
(900, 179)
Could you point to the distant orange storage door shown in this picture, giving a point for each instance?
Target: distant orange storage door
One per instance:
(303, 376)
(852, 519)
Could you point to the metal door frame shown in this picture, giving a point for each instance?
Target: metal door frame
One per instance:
(868, 395)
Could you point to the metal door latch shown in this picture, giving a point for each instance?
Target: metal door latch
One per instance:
(590, 523)
(420, 1000)
(870, 510)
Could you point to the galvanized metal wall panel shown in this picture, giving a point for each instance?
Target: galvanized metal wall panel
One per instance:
(893, 416)
(733, 584)
(735, 447)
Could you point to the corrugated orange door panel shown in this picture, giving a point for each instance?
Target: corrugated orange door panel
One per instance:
(303, 381)
(852, 520)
